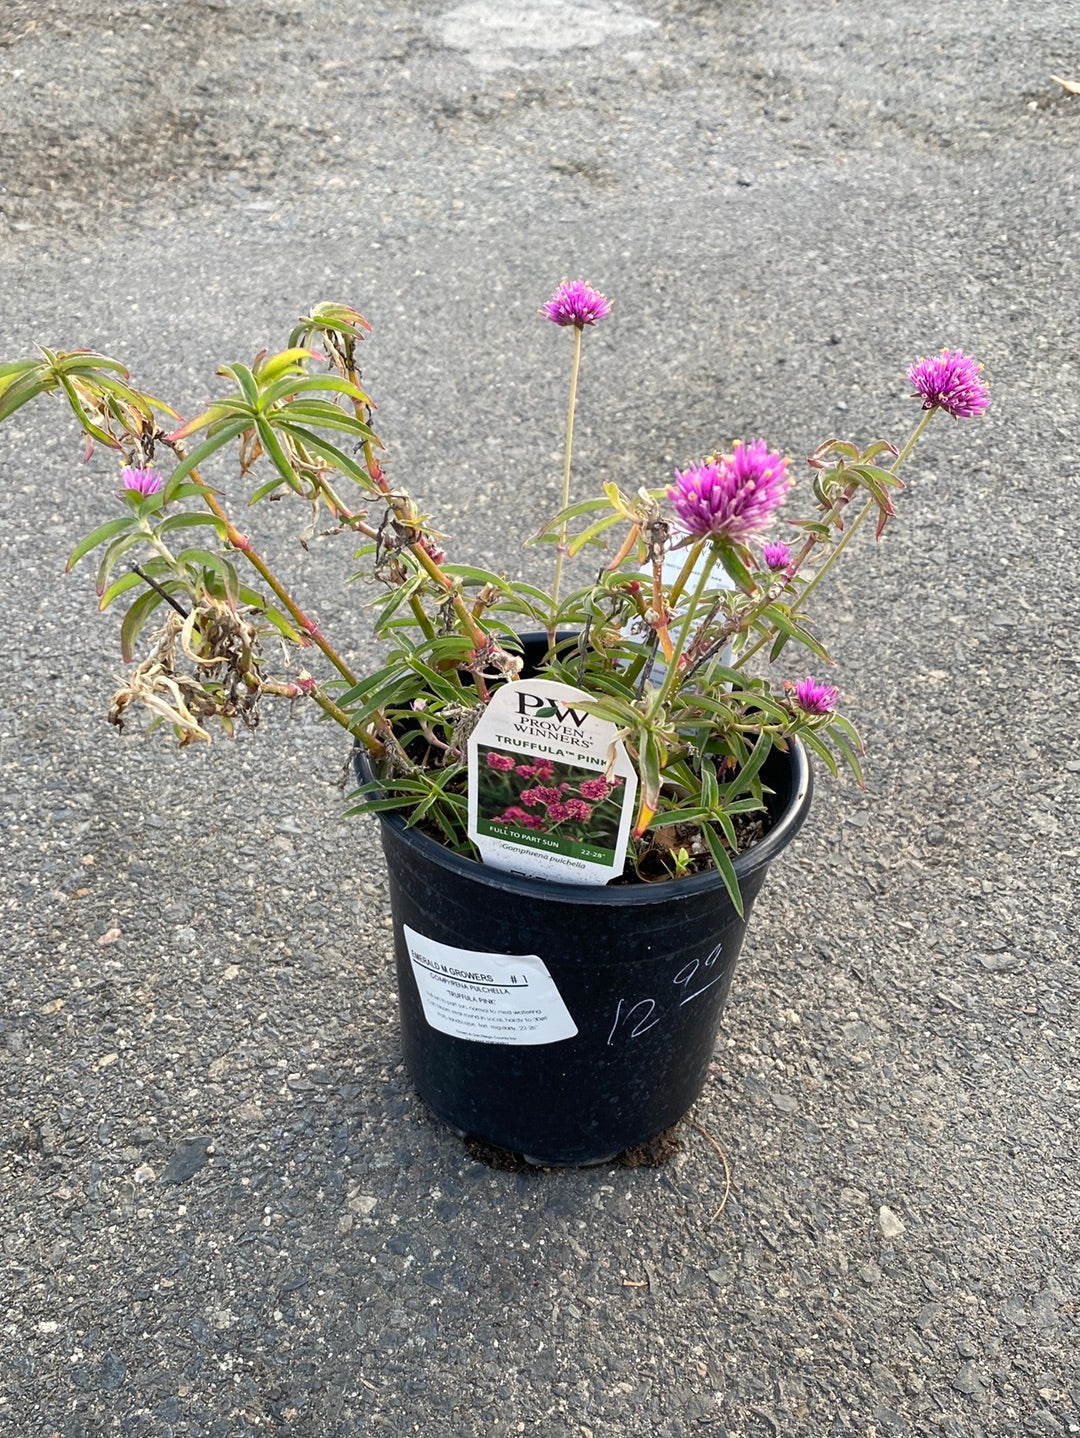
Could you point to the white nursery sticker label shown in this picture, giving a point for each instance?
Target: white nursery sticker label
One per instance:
(551, 792)
(489, 998)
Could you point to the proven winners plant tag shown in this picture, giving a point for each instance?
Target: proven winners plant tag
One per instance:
(551, 794)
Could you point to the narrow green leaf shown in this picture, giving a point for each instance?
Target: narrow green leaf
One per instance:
(649, 766)
(285, 366)
(245, 382)
(109, 530)
(592, 534)
(815, 743)
(722, 861)
(337, 457)
(208, 447)
(217, 566)
(750, 770)
(115, 551)
(134, 620)
(473, 575)
(848, 754)
(119, 586)
(271, 614)
(20, 391)
(304, 383)
(327, 415)
(736, 569)
(12, 368)
(190, 520)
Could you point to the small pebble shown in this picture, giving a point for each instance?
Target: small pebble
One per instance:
(890, 1223)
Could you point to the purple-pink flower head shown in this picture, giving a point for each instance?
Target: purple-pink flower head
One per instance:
(776, 556)
(143, 481)
(814, 698)
(950, 381)
(574, 303)
(733, 497)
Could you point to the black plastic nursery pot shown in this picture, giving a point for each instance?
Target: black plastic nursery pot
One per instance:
(568, 1022)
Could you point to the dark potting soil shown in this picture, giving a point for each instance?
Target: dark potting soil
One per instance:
(654, 1153)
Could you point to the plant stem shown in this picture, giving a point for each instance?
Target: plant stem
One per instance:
(556, 578)
(909, 445)
(136, 569)
(675, 592)
(242, 545)
(671, 677)
(478, 637)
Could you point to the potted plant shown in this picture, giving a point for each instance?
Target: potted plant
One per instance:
(580, 788)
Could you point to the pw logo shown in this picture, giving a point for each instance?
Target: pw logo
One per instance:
(536, 706)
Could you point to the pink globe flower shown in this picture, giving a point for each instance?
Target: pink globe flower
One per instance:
(574, 303)
(512, 815)
(594, 789)
(776, 556)
(735, 496)
(142, 481)
(540, 770)
(950, 381)
(541, 794)
(577, 809)
(502, 762)
(814, 698)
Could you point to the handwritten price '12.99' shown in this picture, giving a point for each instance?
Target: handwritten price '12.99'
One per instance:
(689, 979)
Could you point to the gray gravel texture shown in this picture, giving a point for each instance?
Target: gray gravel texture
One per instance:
(223, 1210)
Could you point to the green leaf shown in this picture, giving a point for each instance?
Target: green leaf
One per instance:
(19, 391)
(287, 366)
(208, 447)
(109, 530)
(882, 478)
(263, 490)
(395, 600)
(323, 413)
(310, 384)
(11, 369)
(736, 569)
(245, 382)
(337, 457)
(115, 551)
(479, 577)
(213, 564)
(722, 862)
(750, 770)
(592, 534)
(102, 436)
(649, 767)
(848, 754)
(438, 683)
(134, 620)
(119, 586)
(710, 790)
(272, 615)
(820, 748)
(552, 529)
(790, 628)
(190, 520)
(276, 453)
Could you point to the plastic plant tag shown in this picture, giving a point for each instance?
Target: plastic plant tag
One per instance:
(488, 998)
(674, 559)
(551, 794)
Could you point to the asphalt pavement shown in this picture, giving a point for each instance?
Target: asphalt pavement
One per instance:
(223, 1210)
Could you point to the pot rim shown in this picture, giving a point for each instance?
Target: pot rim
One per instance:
(786, 826)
